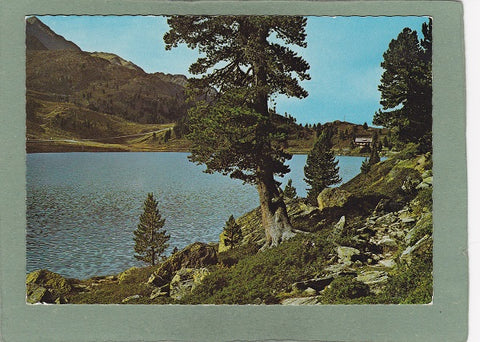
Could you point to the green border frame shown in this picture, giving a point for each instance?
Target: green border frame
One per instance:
(444, 320)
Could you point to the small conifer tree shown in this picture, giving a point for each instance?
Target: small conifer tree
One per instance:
(290, 191)
(365, 166)
(321, 168)
(150, 240)
(233, 232)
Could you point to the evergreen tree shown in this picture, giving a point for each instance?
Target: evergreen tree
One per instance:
(321, 168)
(365, 166)
(374, 156)
(248, 60)
(233, 232)
(406, 87)
(150, 240)
(167, 136)
(290, 192)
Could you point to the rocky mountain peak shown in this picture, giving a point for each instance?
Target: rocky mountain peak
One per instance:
(40, 37)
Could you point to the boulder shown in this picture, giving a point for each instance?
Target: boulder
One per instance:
(386, 220)
(427, 174)
(386, 205)
(332, 197)
(196, 255)
(126, 275)
(387, 244)
(388, 263)
(309, 292)
(158, 292)
(185, 280)
(317, 284)
(409, 184)
(157, 280)
(339, 226)
(38, 294)
(46, 286)
(222, 247)
(346, 255)
(301, 301)
(376, 280)
(427, 180)
(130, 298)
(420, 246)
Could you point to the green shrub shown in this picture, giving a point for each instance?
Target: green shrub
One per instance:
(409, 151)
(411, 284)
(260, 278)
(343, 290)
(423, 202)
(232, 256)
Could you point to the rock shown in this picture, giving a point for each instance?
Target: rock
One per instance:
(427, 174)
(61, 300)
(158, 292)
(130, 298)
(185, 280)
(318, 284)
(339, 269)
(423, 224)
(157, 280)
(408, 220)
(384, 206)
(346, 254)
(301, 301)
(386, 220)
(387, 242)
(339, 226)
(126, 275)
(196, 255)
(426, 183)
(410, 251)
(46, 286)
(309, 292)
(222, 247)
(409, 184)
(376, 280)
(332, 197)
(38, 294)
(389, 263)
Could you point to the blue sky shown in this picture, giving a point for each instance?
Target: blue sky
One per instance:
(344, 54)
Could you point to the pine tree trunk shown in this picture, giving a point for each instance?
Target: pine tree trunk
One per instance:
(274, 212)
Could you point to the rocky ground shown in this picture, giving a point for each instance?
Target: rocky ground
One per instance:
(361, 244)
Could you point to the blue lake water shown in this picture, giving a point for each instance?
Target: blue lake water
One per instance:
(82, 208)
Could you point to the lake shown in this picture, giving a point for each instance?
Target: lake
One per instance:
(82, 208)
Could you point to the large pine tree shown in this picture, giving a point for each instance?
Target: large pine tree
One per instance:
(248, 61)
(321, 168)
(406, 87)
(150, 239)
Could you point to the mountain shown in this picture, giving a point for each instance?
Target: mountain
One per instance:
(76, 94)
(41, 37)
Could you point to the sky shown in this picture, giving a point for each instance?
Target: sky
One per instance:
(344, 54)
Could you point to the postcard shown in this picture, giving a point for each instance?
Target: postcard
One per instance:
(236, 171)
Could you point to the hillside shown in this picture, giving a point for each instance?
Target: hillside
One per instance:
(343, 134)
(368, 241)
(82, 96)
(99, 88)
